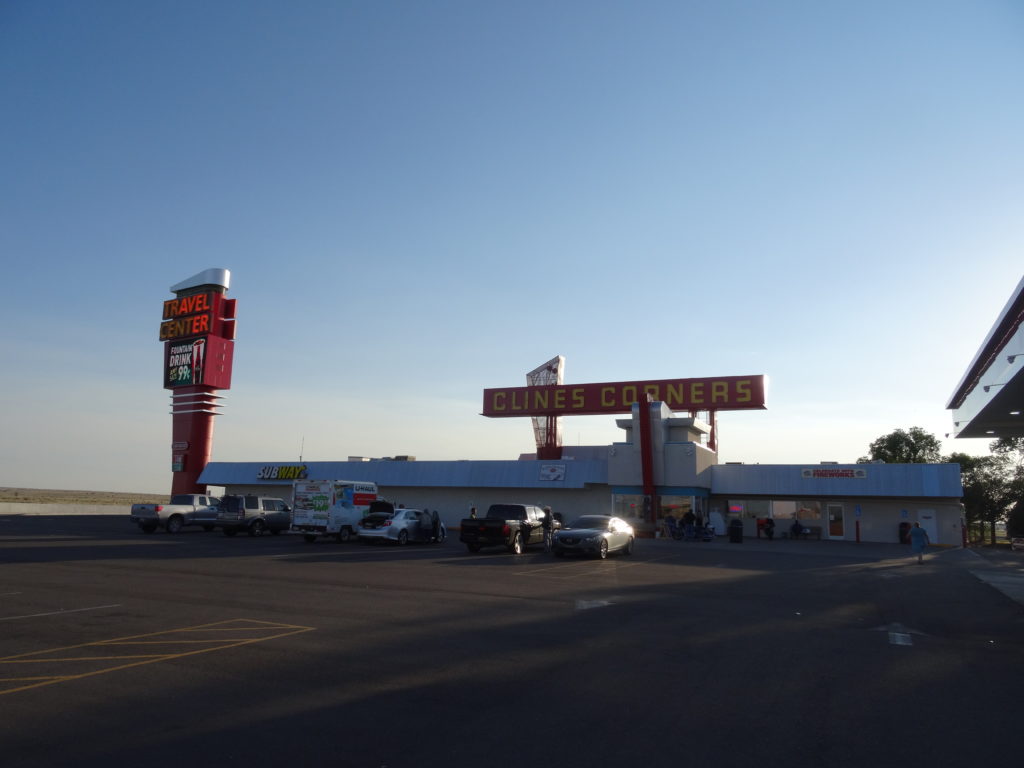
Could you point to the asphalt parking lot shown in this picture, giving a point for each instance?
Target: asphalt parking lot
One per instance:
(124, 648)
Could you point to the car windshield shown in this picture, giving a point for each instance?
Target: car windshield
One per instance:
(590, 521)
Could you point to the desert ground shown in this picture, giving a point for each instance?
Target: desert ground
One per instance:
(44, 496)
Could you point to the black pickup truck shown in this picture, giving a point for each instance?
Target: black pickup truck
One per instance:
(515, 526)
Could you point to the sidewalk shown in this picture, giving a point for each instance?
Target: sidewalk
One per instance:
(1001, 569)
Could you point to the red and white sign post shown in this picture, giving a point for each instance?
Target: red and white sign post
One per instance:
(198, 331)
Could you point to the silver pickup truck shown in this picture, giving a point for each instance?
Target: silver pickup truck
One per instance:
(183, 509)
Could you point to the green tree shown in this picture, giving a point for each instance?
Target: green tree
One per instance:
(1013, 449)
(1015, 521)
(912, 446)
(988, 489)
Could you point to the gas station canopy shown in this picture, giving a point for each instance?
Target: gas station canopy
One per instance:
(989, 400)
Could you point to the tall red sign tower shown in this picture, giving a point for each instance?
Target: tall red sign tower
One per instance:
(198, 331)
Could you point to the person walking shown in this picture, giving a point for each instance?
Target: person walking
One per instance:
(918, 541)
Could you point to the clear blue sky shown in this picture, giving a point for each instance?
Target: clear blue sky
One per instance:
(419, 200)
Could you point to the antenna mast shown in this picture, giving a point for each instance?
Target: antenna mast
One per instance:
(548, 429)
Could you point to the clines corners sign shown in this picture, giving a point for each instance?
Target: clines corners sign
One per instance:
(724, 393)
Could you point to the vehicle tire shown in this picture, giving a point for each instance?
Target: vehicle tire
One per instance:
(403, 538)
(230, 531)
(147, 528)
(310, 537)
(517, 545)
(207, 527)
(257, 528)
(602, 551)
(345, 534)
(175, 523)
(629, 547)
(473, 547)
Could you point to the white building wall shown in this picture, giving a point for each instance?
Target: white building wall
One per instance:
(679, 459)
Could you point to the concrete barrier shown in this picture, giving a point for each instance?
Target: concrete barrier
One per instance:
(19, 508)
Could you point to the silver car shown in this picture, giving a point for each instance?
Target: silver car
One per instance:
(401, 526)
(253, 514)
(596, 535)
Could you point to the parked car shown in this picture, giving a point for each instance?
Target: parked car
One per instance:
(183, 509)
(596, 535)
(402, 526)
(253, 514)
(513, 526)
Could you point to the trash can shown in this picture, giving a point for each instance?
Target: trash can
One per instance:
(904, 533)
(735, 531)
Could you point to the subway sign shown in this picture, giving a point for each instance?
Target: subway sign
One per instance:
(283, 472)
(724, 393)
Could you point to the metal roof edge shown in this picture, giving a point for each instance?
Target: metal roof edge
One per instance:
(1011, 315)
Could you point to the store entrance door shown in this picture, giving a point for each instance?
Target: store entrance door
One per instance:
(836, 529)
(926, 517)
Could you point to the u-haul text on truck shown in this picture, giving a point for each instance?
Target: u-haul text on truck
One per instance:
(330, 507)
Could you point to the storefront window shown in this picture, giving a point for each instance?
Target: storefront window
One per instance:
(628, 506)
(749, 508)
(804, 510)
(675, 506)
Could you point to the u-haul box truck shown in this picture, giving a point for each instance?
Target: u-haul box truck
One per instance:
(330, 507)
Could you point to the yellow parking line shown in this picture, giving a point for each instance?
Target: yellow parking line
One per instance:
(22, 679)
(235, 625)
(160, 642)
(84, 658)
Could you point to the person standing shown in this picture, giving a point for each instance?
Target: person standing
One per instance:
(435, 526)
(918, 541)
(548, 522)
(690, 521)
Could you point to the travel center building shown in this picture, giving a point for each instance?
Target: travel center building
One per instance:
(664, 465)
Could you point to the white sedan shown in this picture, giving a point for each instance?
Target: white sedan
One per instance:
(401, 527)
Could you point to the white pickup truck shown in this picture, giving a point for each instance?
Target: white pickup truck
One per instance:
(183, 509)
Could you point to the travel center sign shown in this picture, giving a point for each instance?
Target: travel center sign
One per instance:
(194, 315)
(725, 393)
(198, 332)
